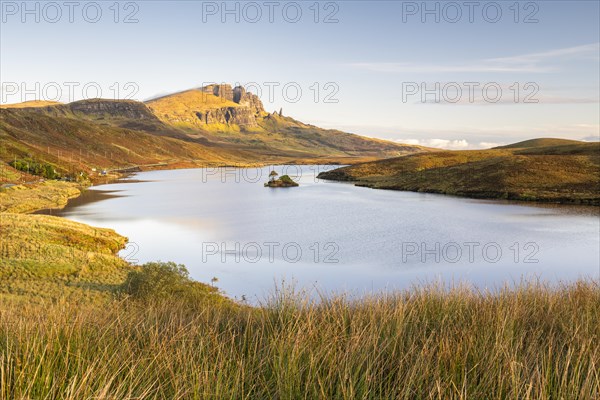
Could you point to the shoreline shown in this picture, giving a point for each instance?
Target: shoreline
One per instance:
(511, 198)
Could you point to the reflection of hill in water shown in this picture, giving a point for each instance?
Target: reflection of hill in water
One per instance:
(87, 197)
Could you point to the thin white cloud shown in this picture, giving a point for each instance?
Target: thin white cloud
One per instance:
(590, 51)
(434, 68)
(448, 144)
(539, 62)
(489, 145)
(509, 99)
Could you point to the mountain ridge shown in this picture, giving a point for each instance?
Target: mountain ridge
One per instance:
(224, 126)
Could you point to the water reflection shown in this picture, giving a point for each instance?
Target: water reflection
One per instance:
(223, 223)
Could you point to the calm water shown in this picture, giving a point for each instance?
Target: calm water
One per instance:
(333, 236)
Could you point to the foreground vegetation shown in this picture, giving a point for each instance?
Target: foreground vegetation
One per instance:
(530, 343)
(79, 322)
(550, 170)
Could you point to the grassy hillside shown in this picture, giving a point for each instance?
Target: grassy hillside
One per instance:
(295, 134)
(566, 173)
(540, 142)
(74, 145)
(37, 196)
(47, 258)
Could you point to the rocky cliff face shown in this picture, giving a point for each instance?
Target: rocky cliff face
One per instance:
(247, 99)
(101, 109)
(242, 116)
(113, 108)
(246, 114)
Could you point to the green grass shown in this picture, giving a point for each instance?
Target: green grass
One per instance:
(533, 342)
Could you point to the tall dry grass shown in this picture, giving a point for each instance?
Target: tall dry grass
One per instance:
(532, 342)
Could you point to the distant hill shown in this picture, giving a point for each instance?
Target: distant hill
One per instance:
(567, 173)
(541, 142)
(216, 125)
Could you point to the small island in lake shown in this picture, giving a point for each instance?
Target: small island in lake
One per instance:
(284, 181)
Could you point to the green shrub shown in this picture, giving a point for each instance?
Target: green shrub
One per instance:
(160, 281)
(35, 168)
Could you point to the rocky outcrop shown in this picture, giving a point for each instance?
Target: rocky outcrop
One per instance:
(249, 110)
(247, 99)
(238, 95)
(112, 108)
(224, 91)
(243, 116)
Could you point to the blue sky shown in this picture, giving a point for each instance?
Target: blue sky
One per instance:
(357, 63)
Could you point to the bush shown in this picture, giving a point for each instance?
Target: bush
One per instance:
(159, 281)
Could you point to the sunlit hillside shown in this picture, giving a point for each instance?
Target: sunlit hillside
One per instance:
(543, 170)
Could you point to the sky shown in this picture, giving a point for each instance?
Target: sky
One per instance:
(458, 75)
